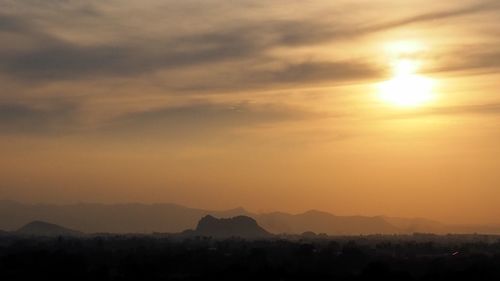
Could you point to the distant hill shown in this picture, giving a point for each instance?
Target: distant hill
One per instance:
(240, 226)
(110, 218)
(172, 218)
(412, 225)
(321, 222)
(40, 228)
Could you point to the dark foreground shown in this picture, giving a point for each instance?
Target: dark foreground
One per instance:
(417, 257)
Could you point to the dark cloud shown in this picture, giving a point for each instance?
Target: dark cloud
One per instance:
(12, 24)
(24, 119)
(323, 71)
(474, 58)
(73, 6)
(52, 58)
(64, 60)
(241, 51)
(484, 6)
(56, 59)
(183, 121)
(284, 75)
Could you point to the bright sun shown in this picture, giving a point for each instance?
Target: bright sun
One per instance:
(406, 88)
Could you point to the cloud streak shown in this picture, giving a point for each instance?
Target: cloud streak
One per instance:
(474, 58)
(220, 59)
(52, 58)
(198, 119)
(459, 110)
(182, 121)
(487, 6)
(29, 120)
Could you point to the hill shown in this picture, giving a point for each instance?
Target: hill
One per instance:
(40, 228)
(322, 222)
(109, 218)
(172, 218)
(240, 226)
(412, 225)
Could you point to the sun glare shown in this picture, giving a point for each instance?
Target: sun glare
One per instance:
(406, 88)
(404, 47)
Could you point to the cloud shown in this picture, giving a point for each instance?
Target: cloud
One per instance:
(52, 58)
(24, 119)
(198, 119)
(485, 6)
(323, 71)
(473, 58)
(220, 58)
(490, 108)
(62, 60)
(281, 75)
(179, 122)
(12, 24)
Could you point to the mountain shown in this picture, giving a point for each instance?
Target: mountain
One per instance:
(412, 225)
(40, 228)
(421, 225)
(483, 229)
(172, 218)
(240, 226)
(322, 222)
(110, 218)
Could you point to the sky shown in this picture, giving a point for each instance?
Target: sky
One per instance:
(353, 107)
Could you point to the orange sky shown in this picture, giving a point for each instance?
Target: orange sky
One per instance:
(352, 107)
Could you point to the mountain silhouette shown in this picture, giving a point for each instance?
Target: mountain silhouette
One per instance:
(411, 225)
(172, 218)
(322, 222)
(40, 228)
(240, 226)
(109, 218)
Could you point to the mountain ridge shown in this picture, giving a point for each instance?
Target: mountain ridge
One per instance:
(42, 228)
(239, 226)
(174, 218)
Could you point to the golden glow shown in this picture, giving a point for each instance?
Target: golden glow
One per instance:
(407, 47)
(403, 67)
(406, 88)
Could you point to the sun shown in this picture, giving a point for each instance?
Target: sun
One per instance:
(406, 88)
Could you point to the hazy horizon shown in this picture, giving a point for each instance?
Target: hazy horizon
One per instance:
(349, 107)
(236, 208)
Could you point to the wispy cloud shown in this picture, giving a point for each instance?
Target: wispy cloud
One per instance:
(474, 109)
(482, 6)
(53, 58)
(475, 58)
(26, 119)
(189, 120)
(197, 119)
(220, 58)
